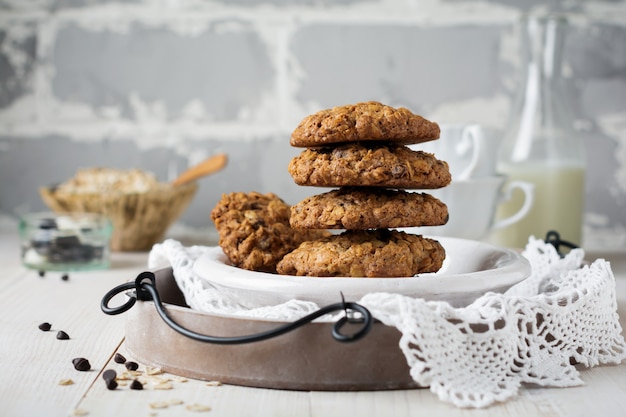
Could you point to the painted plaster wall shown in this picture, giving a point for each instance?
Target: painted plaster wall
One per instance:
(162, 84)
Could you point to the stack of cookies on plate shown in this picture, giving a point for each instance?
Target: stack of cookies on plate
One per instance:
(361, 151)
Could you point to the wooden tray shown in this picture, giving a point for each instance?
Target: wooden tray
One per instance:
(307, 358)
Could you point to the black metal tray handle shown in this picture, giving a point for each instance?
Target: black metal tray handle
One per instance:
(145, 289)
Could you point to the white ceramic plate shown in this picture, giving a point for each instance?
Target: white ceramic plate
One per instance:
(471, 268)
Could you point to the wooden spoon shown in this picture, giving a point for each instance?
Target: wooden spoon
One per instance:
(206, 167)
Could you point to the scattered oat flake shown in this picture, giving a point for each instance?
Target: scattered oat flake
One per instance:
(164, 386)
(180, 379)
(175, 401)
(198, 407)
(158, 380)
(66, 382)
(79, 412)
(153, 371)
(214, 384)
(124, 376)
(159, 404)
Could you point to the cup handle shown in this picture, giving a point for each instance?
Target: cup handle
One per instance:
(529, 198)
(470, 135)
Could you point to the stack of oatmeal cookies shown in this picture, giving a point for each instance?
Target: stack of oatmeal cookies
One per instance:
(361, 150)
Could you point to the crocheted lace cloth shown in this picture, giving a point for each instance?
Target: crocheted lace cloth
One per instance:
(480, 354)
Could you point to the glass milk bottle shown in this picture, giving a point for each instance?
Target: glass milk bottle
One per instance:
(540, 144)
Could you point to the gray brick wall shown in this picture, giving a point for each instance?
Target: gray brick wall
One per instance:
(160, 85)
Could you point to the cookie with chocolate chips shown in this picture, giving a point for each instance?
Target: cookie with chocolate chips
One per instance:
(361, 122)
(378, 164)
(377, 253)
(361, 208)
(254, 230)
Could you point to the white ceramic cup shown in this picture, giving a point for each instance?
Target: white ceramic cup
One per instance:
(472, 204)
(469, 149)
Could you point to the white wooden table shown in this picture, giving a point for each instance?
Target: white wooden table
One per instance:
(33, 362)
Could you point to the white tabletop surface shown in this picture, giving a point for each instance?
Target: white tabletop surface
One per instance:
(34, 363)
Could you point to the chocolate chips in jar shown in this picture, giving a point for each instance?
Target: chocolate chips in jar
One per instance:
(65, 242)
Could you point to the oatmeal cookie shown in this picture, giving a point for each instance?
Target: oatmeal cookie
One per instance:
(361, 208)
(254, 230)
(365, 253)
(363, 122)
(369, 165)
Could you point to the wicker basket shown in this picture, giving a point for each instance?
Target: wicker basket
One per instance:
(139, 219)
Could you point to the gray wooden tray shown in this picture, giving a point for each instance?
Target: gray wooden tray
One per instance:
(307, 358)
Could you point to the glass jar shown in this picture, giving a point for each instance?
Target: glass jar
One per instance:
(540, 144)
(65, 242)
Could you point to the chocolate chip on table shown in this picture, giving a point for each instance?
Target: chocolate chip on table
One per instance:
(61, 335)
(111, 384)
(44, 327)
(109, 377)
(119, 358)
(131, 366)
(136, 385)
(81, 364)
(109, 374)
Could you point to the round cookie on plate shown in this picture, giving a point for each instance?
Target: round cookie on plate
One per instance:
(364, 253)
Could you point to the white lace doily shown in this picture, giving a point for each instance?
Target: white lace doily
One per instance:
(480, 354)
